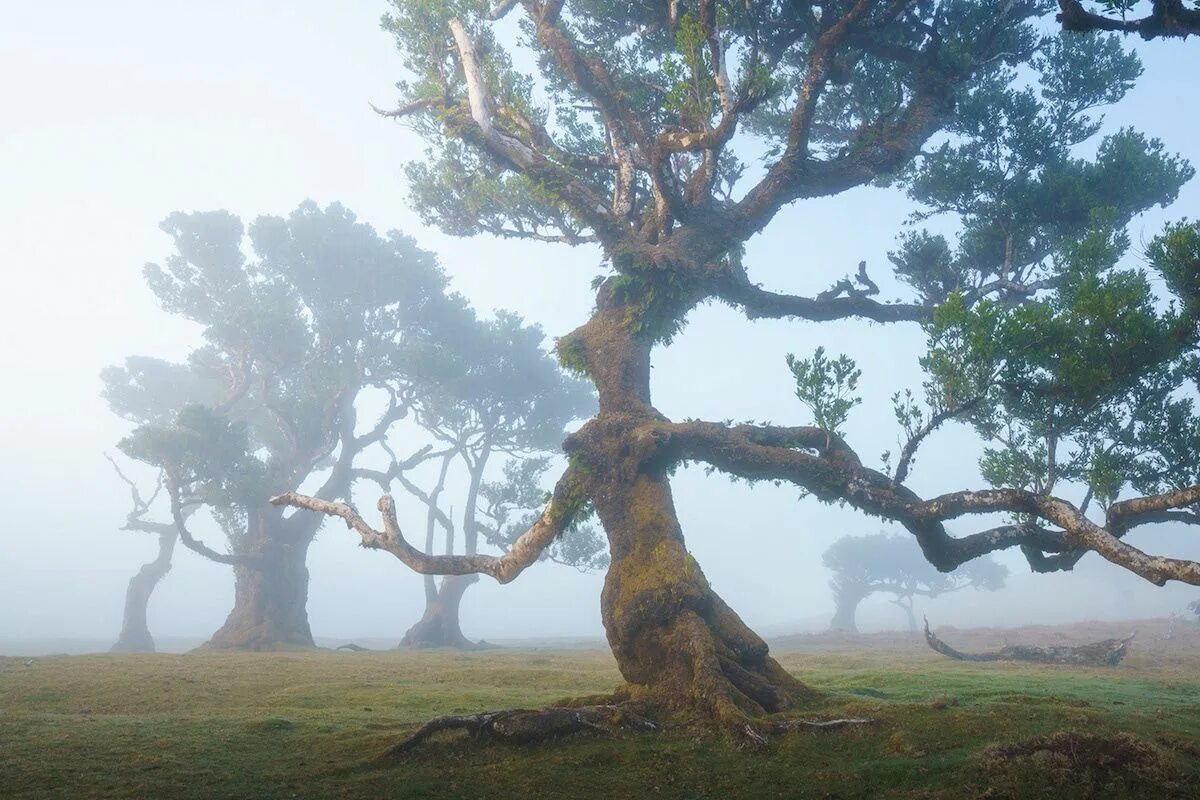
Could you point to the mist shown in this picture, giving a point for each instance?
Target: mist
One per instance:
(125, 113)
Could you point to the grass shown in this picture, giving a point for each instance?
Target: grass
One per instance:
(306, 725)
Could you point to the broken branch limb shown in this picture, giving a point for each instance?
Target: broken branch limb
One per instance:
(1107, 653)
(524, 551)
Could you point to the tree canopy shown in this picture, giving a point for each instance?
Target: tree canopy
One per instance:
(325, 310)
(669, 134)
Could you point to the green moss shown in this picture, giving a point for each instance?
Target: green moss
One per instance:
(653, 309)
(572, 355)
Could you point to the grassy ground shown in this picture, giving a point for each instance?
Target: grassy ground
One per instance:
(306, 725)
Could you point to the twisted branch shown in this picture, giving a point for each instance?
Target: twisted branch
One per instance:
(525, 550)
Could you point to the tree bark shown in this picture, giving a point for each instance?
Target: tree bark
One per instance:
(270, 597)
(135, 632)
(439, 626)
(677, 644)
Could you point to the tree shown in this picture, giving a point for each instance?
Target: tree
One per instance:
(135, 636)
(325, 311)
(637, 148)
(1166, 18)
(507, 399)
(890, 564)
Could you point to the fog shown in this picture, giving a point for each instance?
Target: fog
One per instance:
(113, 115)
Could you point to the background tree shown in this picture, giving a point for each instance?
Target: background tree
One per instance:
(503, 398)
(892, 564)
(630, 134)
(325, 311)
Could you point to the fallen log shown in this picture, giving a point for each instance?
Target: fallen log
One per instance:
(1108, 653)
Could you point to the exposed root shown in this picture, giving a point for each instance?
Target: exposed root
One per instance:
(1108, 653)
(788, 725)
(522, 726)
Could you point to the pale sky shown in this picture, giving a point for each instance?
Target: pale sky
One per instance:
(114, 114)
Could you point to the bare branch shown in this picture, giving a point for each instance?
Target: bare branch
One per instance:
(909, 451)
(733, 285)
(179, 516)
(524, 551)
(835, 473)
(515, 153)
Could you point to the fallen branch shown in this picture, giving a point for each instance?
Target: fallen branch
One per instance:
(522, 726)
(1107, 653)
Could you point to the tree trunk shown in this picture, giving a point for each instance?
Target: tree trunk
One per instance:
(135, 633)
(439, 626)
(270, 598)
(906, 603)
(845, 607)
(677, 644)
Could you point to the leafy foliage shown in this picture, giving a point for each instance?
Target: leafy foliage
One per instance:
(324, 309)
(1094, 383)
(1008, 175)
(826, 386)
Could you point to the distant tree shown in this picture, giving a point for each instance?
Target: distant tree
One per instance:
(669, 135)
(503, 399)
(893, 564)
(135, 636)
(1151, 20)
(1194, 607)
(325, 311)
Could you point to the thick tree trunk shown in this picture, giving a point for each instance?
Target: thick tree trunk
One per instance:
(135, 632)
(439, 626)
(270, 599)
(845, 607)
(677, 644)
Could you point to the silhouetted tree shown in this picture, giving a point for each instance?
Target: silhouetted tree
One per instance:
(503, 400)
(892, 564)
(325, 311)
(638, 148)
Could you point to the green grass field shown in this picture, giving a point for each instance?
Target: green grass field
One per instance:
(307, 725)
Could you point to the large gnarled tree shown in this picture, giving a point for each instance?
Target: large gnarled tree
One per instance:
(629, 135)
(325, 311)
